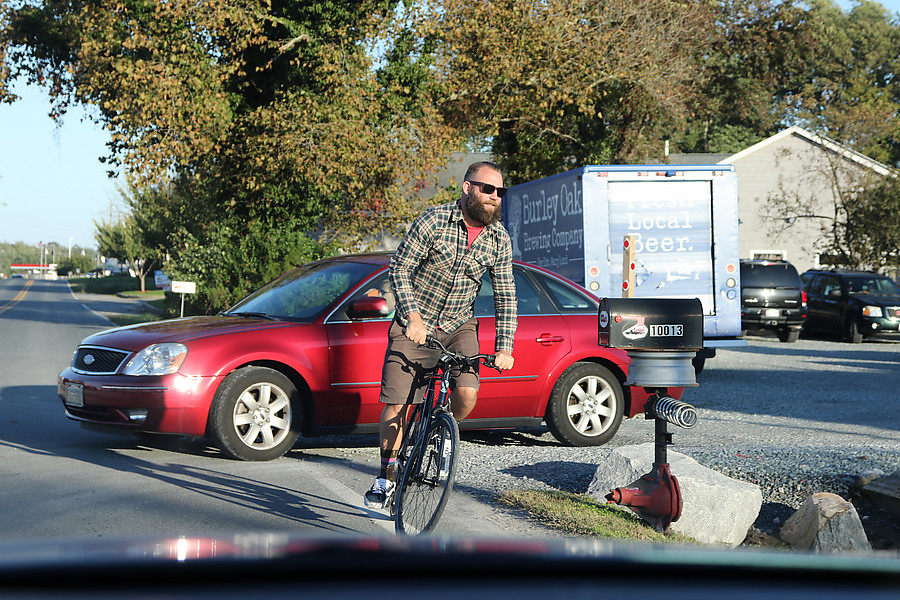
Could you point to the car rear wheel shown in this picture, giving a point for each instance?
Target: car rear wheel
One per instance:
(586, 406)
(789, 335)
(254, 416)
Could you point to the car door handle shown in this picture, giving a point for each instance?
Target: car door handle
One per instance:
(546, 338)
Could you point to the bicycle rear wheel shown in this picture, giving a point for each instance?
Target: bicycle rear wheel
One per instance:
(427, 478)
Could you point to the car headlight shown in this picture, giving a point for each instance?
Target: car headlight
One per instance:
(872, 311)
(158, 359)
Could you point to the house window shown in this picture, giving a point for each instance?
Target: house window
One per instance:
(827, 259)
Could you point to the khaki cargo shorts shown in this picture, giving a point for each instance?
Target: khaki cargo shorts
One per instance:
(407, 365)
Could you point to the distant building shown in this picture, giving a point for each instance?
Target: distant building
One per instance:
(35, 270)
(798, 166)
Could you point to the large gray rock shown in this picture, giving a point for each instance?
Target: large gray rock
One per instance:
(716, 509)
(826, 523)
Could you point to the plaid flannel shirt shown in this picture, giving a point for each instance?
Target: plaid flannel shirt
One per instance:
(435, 274)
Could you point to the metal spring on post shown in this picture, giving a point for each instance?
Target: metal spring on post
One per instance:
(675, 412)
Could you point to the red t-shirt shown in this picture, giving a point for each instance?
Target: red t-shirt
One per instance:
(473, 233)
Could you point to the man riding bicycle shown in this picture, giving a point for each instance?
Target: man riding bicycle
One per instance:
(435, 276)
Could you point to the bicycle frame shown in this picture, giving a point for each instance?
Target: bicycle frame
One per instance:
(414, 432)
(426, 465)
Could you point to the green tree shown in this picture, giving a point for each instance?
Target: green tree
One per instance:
(850, 92)
(77, 264)
(262, 113)
(754, 57)
(123, 240)
(553, 84)
(276, 103)
(847, 94)
(871, 230)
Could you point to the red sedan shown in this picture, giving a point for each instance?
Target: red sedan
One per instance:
(303, 354)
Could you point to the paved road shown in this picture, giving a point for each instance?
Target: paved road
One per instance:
(61, 481)
(817, 396)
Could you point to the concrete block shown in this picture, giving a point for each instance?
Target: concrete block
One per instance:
(716, 509)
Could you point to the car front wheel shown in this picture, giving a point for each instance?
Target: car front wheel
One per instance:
(586, 406)
(854, 336)
(254, 414)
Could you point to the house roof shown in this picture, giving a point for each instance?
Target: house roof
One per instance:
(696, 158)
(835, 147)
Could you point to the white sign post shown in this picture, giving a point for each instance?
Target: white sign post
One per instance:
(184, 287)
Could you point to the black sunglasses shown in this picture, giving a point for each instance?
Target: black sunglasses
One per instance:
(488, 189)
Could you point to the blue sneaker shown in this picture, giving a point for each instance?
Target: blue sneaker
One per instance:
(379, 494)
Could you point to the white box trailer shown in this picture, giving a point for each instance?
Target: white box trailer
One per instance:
(684, 220)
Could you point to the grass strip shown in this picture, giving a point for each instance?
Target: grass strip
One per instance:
(580, 514)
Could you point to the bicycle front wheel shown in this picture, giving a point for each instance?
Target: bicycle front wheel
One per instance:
(427, 478)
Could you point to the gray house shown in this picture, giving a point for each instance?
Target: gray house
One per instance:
(788, 186)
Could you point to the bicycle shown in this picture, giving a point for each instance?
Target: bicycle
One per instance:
(426, 461)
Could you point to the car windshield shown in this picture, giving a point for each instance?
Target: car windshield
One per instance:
(302, 294)
(873, 286)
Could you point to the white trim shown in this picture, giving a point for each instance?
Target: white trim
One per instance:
(838, 149)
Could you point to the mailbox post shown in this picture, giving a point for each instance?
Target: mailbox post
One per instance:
(661, 337)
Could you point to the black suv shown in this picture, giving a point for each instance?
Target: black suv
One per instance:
(772, 298)
(854, 304)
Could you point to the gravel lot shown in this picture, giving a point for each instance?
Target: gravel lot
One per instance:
(794, 419)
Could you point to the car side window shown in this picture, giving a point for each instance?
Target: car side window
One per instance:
(567, 299)
(818, 285)
(380, 287)
(831, 286)
(484, 302)
(528, 297)
(808, 281)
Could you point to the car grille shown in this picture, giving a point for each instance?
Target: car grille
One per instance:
(90, 359)
(893, 312)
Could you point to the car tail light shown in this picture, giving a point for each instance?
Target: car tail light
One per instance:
(803, 303)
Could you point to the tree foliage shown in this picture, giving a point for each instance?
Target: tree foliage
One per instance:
(53, 252)
(261, 132)
(268, 117)
(123, 240)
(276, 101)
(872, 226)
(77, 264)
(850, 91)
(553, 84)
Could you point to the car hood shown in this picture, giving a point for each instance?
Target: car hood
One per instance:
(136, 337)
(880, 300)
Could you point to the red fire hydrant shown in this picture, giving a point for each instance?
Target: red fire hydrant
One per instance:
(656, 496)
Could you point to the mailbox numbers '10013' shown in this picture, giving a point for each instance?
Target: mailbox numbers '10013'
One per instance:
(666, 330)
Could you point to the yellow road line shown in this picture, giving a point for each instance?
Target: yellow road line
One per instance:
(18, 297)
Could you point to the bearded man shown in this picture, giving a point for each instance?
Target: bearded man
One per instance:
(435, 276)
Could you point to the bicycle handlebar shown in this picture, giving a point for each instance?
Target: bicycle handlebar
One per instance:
(460, 358)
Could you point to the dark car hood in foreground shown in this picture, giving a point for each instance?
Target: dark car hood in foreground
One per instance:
(261, 564)
(135, 337)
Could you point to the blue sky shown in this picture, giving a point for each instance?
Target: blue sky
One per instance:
(53, 186)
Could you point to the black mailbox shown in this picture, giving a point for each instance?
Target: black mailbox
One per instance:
(661, 336)
(651, 323)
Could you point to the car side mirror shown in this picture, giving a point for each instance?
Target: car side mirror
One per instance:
(368, 307)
